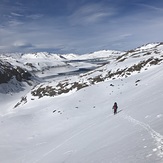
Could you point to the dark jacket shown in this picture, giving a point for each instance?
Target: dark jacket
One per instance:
(115, 106)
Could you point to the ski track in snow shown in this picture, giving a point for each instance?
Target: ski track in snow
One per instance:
(158, 138)
(70, 138)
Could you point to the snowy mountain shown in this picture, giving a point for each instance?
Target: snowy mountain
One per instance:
(68, 116)
(42, 62)
(9, 71)
(101, 54)
(123, 66)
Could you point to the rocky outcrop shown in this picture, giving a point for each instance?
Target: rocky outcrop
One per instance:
(8, 71)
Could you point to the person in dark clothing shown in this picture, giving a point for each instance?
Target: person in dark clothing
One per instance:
(115, 107)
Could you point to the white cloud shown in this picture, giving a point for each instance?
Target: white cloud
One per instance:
(150, 7)
(35, 16)
(19, 43)
(16, 14)
(13, 23)
(92, 13)
(91, 27)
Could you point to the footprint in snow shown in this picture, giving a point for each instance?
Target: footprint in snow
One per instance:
(157, 137)
(159, 115)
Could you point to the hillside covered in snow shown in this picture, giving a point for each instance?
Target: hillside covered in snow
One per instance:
(58, 108)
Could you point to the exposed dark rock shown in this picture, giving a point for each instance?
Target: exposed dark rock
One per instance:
(8, 71)
(23, 100)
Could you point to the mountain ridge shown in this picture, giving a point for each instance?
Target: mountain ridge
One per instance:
(67, 116)
(39, 64)
(122, 66)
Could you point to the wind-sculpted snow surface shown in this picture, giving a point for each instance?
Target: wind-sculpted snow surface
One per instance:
(77, 124)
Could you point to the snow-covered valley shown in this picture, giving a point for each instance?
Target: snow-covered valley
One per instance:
(69, 118)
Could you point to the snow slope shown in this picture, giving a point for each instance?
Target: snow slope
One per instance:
(83, 127)
(79, 126)
(101, 54)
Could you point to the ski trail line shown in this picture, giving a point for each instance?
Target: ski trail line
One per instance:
(158, 138)
(70, 138)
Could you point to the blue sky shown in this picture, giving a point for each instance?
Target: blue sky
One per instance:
(79, 26)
